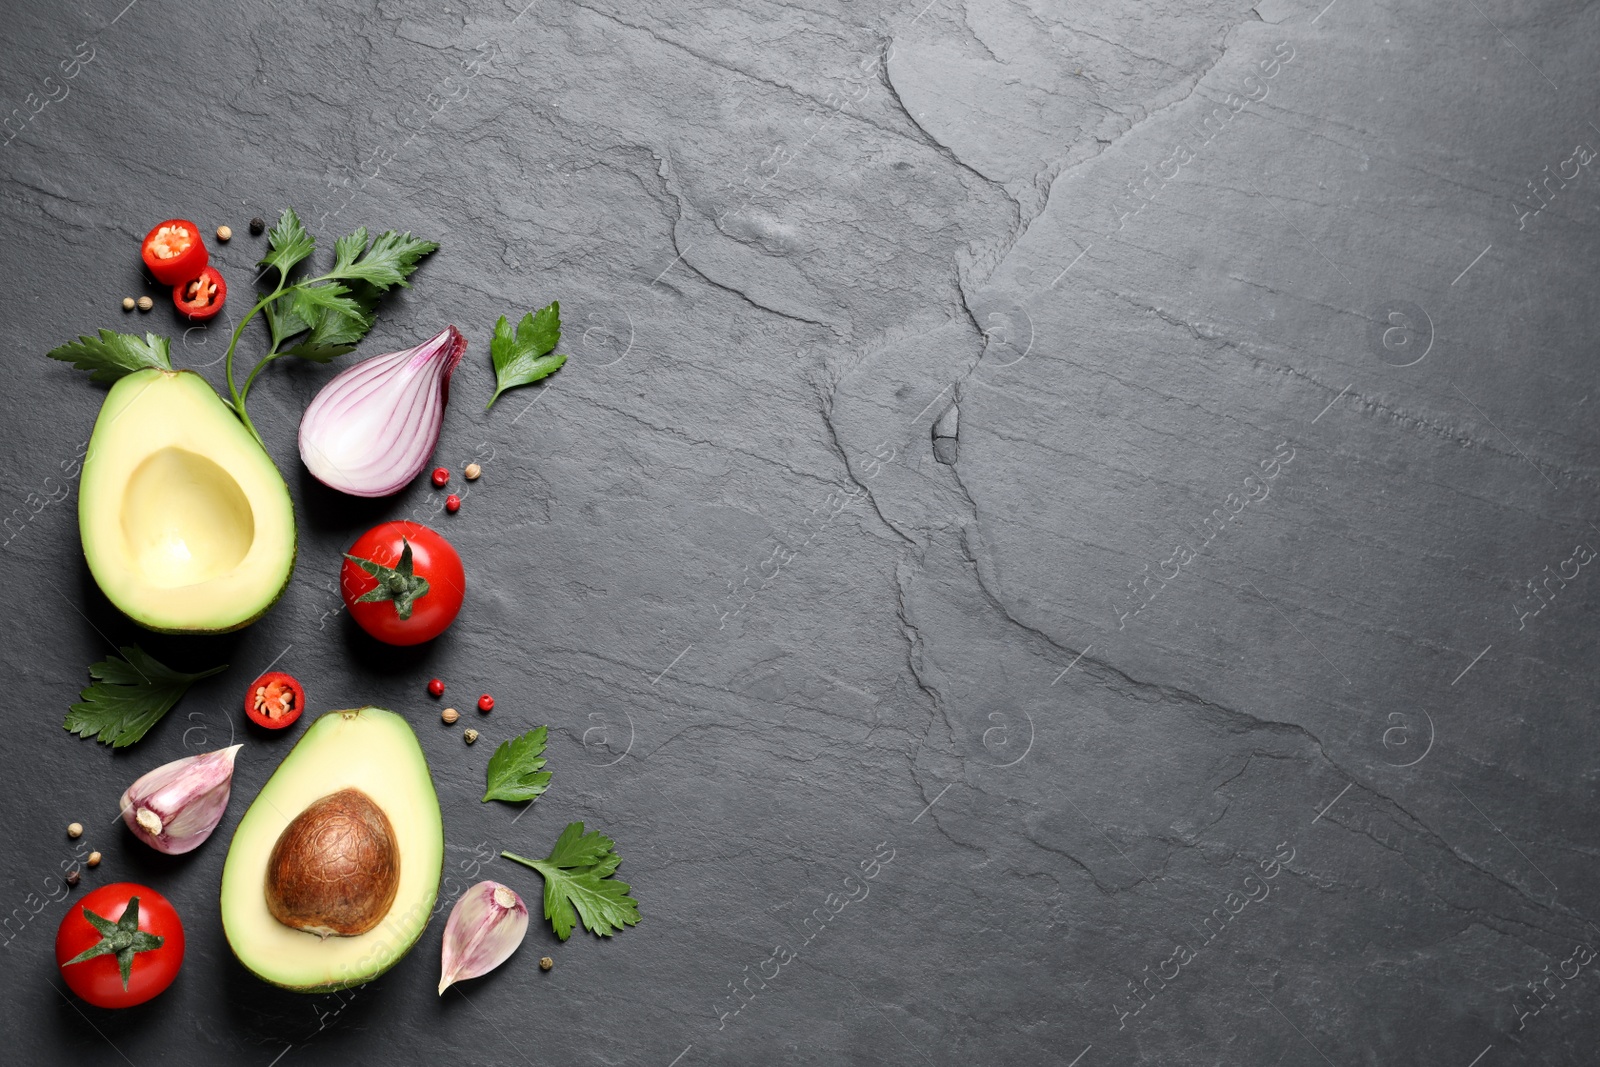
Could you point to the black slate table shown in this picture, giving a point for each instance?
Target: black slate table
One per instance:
(1062, 539)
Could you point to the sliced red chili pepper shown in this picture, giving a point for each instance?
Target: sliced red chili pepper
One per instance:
(174, 251)
(274, 700)
(202, 297)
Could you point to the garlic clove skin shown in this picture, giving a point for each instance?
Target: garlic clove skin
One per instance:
(174, 808)
(485, 928)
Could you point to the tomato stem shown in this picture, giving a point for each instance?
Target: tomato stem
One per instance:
(122, 939)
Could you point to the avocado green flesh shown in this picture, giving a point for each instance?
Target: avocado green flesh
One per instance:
(186, 524)
(372, 750)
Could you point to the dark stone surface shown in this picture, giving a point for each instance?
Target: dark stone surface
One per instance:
(777, 622)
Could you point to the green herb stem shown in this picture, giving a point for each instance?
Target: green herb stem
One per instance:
(234, 391)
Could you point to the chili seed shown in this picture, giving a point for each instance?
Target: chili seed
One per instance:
(73, 877)
(75, 829)
(545, 963)
(436, 688)
(127, 303)
(257, 226)
(224, 233)
(449, 715)
(486, 703)
(145, 303)
(441, 477)
(452, 503)
(472, 472)
(93, 860)
(470, 736)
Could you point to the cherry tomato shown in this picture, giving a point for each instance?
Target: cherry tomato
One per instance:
(132, 961)
(174, 252)
(201, 297)
(403, 583)
(274, 700)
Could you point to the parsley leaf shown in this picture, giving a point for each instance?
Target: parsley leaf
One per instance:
(578, 884)
(516, 770)
(112, 355)
(289, 243)
(348, 248)
(522, 358)
(339, 314)
(128, 696)
(388, 262)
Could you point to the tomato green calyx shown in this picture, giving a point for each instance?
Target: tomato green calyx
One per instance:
(395, 583)
(122, 939)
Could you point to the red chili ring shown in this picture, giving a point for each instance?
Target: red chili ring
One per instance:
(174, 251)
(209, 293)
(274, 700)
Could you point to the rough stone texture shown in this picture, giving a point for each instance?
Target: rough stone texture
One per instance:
(778, 625)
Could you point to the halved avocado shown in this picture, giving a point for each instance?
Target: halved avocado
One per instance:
(186, 523)
(345, 842)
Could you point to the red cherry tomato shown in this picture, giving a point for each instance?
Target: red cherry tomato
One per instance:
(174, 252)
(202, 297)
(153, 949)
(274, 700)
(415, 577)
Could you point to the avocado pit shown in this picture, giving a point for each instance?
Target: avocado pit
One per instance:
(335, 869)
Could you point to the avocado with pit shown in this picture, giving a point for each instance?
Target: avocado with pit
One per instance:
(186, 524)
(333, 873)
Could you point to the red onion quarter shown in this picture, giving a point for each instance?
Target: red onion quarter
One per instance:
(373, 428)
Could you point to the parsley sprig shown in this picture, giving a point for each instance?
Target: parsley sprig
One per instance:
(128, 696)
(523, 357)
(516, 770)
(578, 884)
(112, 355)
(325, 316)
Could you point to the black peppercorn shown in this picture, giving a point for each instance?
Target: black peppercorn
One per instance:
(257, 226)
(73, 876)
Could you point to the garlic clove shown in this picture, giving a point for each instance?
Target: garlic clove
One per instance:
(174, 808)
(485, 928)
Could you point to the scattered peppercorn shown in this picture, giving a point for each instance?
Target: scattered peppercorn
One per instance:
(470, 736)
(441, 477)
(449, 715)
(73, 877)
(93, 860)
(127, 303)
(75, 829)
(545, 963)
(145, 303)
(472, 472)
(436, 688)
(224, 233)
(452, 503)
(257, 226)
(486, 703)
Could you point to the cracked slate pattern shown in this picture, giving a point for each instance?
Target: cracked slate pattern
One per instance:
(1124, 462)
